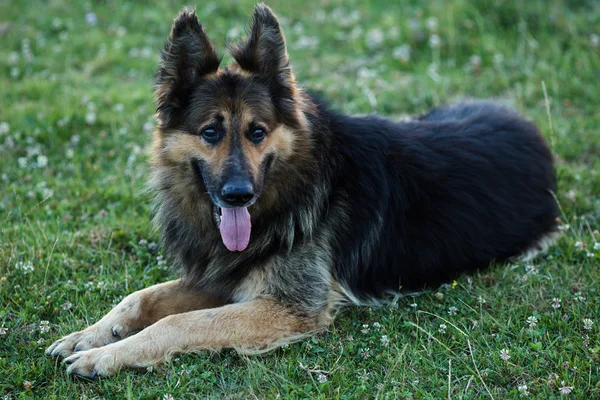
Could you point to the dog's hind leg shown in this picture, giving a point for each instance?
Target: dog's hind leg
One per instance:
(135, 312)
(257, 325)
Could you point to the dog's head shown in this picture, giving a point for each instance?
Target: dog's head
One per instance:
(221, 129)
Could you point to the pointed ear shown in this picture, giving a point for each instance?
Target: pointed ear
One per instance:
(188, 56)
(264, 50)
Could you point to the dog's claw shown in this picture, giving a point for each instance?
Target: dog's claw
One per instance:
(116, 330)
(94, 374)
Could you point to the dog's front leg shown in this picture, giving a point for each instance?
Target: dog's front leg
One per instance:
(133, 313)
(258, 324)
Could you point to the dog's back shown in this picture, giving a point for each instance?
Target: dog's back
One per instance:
(452, 191)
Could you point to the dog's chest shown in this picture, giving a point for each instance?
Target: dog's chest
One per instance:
(254, 284)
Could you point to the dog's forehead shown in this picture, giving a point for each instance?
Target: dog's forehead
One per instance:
(231, 92)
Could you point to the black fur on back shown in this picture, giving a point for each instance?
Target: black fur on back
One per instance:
(450, 192)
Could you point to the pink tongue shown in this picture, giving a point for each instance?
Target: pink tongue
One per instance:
(235, 228)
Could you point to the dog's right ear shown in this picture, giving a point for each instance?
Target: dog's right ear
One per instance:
(188, 56)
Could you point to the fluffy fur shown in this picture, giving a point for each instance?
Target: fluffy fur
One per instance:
(343, 208)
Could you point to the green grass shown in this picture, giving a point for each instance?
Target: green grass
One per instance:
(75, 235)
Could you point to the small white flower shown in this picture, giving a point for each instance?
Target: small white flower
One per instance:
(22, 161)
(556, 303)
(481, 300)
(532, 321)
(374, 38)
(44, 326)
(589, 254)
(523, 389)
(579, 245)
(91, 19)
(385, 341)
(321, 378)
(402, 53)
(376, 325)
(168, 396)
(432, 24)
(42, 161)
(90, 118)
(587, 324)
(596, 245)
(565, 389)
(67, 306)
(434, 41)
(475, 61)
(365, 328)
(366, 352)
(414, 305)
(2, 331)
(594, 40)
(26, 267)
(442, 328)
(504, 354)
(148, 127)
(452, 310)
(4, 127)
(498, 58)
(70, 153)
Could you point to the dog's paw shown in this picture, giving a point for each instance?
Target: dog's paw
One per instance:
(92, 363)
(95, 336)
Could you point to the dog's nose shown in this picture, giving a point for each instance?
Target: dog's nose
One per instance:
(237, 194)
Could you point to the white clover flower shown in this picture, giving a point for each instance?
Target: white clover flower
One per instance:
(432, 24)
(556, 303)
(42, 161)
(44, 326)
(385, 341)
(321, 378)
(442, 328)
(523, 389)
(90, 118)
(434, 41)
(565, 389)
(452, 310)
(587, 324)
(504, 354)
(91, 19)
(532, 321)
(402, 53)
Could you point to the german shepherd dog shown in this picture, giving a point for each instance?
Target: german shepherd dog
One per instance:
(278, 210)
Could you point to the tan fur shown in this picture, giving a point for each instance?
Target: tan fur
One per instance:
(252, 326)
(135, 312)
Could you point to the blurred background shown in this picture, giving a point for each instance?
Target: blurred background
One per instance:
(76, 111)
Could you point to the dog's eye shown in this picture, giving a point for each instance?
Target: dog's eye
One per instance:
(257, 135)
(210, 134)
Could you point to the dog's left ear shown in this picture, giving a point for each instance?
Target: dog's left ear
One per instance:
(264, 51)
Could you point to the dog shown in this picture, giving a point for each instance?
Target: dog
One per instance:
(279, 210)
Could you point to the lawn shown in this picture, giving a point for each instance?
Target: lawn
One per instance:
(76, 112)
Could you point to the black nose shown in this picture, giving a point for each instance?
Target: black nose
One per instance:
(237, 194)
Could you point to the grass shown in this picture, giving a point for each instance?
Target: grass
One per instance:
(75, 235)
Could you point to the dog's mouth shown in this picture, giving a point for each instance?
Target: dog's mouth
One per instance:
(234, 225)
